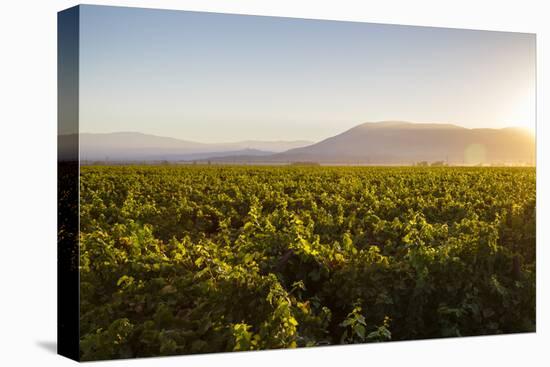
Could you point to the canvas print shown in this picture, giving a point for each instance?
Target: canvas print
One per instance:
(237, 182)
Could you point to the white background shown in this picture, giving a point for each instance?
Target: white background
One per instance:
(28, 182)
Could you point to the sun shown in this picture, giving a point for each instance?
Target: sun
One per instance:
(524, 114)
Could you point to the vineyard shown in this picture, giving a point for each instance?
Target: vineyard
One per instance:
(199, 259)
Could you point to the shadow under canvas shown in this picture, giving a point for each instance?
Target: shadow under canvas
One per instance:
(48, 345)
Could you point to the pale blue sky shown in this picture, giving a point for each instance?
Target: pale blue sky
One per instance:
(217, 77)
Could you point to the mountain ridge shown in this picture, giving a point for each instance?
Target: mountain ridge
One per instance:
(383, 142)
(391, 142)
(137, 146)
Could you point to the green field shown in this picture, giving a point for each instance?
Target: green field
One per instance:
(196, 259)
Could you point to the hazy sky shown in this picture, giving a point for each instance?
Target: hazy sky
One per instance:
(216, 77)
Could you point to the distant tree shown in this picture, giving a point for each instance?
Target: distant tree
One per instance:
(438, 164)
(422, 164)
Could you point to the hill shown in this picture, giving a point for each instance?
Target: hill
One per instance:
(396, 142)
(134, 146)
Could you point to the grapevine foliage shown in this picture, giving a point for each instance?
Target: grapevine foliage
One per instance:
(198, 259)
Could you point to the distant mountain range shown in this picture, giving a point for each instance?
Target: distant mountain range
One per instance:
(388, 142)
(133, 146)
(403, 142)
(397, 142)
